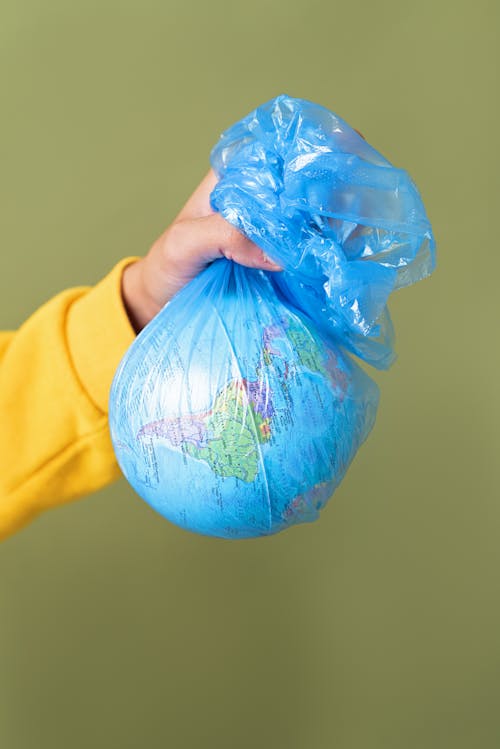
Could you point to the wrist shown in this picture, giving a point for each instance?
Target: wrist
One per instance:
(140, 307)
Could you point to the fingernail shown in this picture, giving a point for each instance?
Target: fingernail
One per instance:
(268, 261)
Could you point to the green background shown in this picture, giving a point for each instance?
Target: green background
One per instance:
(378, 626)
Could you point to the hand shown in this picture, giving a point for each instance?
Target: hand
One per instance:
(196, 237)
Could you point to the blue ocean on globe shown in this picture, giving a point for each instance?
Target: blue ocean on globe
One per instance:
(230, 415)
(237, 411)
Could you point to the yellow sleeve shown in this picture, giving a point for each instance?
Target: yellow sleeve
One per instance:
(55, 376)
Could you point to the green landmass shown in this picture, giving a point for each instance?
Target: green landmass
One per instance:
(308, 353)
(236, 428)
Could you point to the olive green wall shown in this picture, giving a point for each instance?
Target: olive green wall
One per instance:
(378, 626)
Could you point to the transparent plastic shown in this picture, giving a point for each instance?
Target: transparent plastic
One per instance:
(347, 226)
(238, 409)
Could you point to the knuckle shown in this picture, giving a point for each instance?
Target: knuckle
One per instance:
(236, 238)
(224, 231)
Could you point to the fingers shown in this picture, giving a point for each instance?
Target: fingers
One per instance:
(227, 241)
(208, 238)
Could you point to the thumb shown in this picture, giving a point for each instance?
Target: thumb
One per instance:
(201, 240)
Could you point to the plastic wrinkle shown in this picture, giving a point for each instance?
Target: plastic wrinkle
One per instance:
(238, 409)
(347, 227)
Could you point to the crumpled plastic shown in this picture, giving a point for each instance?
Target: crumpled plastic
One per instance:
(347, 226)
(238, 409)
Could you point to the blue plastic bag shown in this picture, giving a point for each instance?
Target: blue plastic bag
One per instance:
(348, 227)
(230, 416)
(238, 409)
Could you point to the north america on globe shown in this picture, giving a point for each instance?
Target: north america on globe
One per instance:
(228, 435)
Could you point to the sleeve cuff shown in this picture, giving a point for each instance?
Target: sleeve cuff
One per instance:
(99, 333)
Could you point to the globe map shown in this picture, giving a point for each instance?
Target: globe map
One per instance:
(237, 421)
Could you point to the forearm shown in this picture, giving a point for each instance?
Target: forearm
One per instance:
(55, 374)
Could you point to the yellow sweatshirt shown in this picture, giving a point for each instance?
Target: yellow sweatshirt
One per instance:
(55, 375)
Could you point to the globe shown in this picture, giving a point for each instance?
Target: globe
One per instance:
(230, 416)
